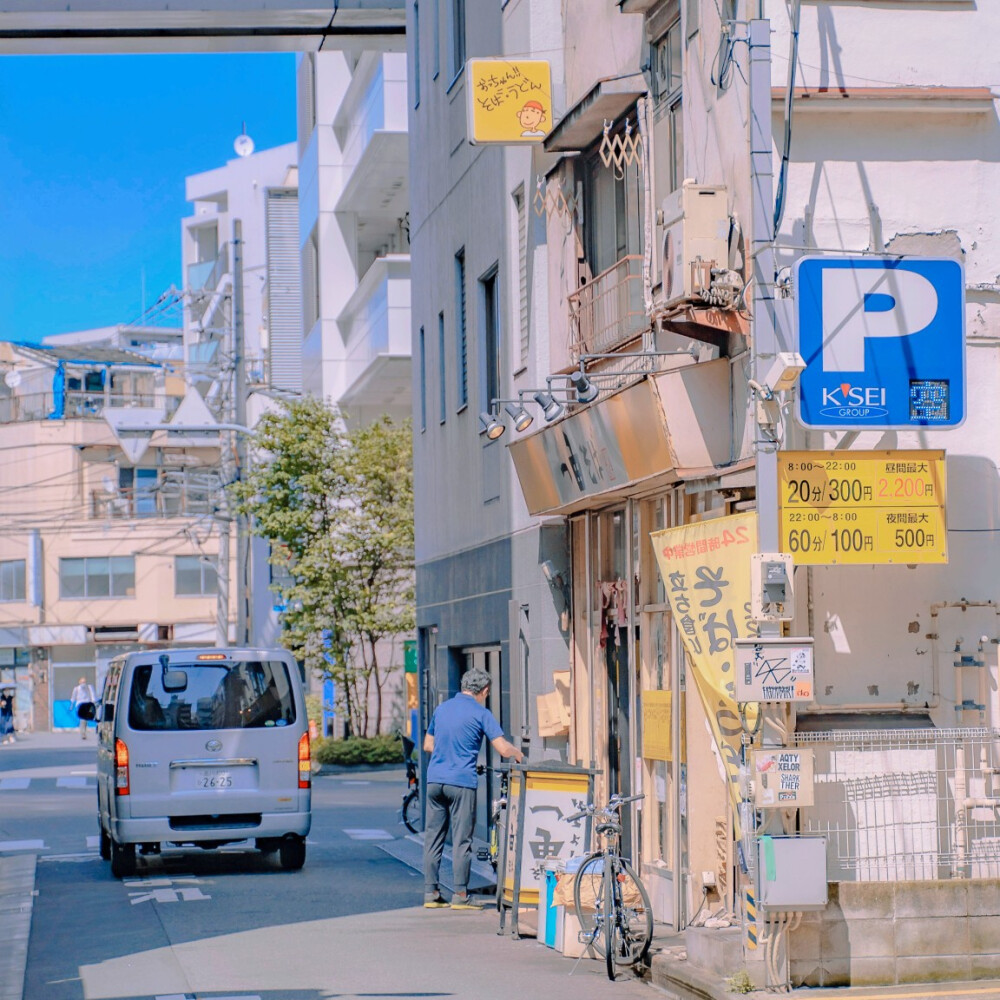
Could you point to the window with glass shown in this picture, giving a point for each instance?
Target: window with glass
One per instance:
(461, 331)
(442, 372)
(96, 576)
(194, 576)
(666, 62)
(12, 580)
(614, 208)
(491, 338)
(456, 27)
(248, 694)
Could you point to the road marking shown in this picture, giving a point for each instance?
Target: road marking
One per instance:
(167, 896)
(88, 856)
(93, 841)
(369, 835)
(192, 996)
(22, 845)
(72, 783)
(92, 773)
(355, 782)
(14, 784)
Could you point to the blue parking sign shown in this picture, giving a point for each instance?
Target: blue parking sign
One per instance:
(883, 340)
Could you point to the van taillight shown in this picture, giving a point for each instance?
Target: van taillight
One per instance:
(121, 768)
(305, 762)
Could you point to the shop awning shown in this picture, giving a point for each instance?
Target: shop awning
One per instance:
(638, 440)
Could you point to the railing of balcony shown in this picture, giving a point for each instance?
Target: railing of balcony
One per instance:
(175, 496)
(204, 275)
(609, 312)
(40, 405)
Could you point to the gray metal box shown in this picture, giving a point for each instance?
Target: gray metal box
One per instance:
(791, 873)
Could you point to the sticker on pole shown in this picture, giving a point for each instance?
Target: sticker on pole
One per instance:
(883, 339)
(774, 669)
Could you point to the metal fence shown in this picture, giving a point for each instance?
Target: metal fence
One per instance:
(609, 311)
(901, 805)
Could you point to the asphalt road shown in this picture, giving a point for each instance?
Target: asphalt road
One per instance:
(231, 925)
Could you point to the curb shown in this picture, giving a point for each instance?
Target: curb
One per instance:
(354, 768)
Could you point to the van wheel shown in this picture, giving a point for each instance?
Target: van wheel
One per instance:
(122, 859)
(292, 853)
(105, 843)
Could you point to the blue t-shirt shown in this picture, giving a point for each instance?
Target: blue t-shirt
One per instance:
(458, 727)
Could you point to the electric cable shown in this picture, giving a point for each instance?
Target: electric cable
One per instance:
(793, 54)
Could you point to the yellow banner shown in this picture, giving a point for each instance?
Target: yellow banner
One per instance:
(862, 507)
(706, 573)
(509, 100)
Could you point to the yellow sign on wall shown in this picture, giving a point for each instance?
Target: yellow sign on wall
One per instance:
(862, 507)
(508, 101)
(657, 726)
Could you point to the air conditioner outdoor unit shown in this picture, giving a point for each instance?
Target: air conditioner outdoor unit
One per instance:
(695, 239)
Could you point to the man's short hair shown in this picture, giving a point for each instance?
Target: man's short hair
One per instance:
(475, 681)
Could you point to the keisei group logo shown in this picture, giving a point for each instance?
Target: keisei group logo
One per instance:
(883, 339)
(855, 402)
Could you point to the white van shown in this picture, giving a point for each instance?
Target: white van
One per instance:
(202, 747)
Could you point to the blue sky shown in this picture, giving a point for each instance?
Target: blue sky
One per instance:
(93, 155)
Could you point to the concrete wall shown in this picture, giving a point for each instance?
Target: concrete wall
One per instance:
(909, 932)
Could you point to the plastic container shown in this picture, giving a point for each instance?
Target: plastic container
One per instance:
(546, 911)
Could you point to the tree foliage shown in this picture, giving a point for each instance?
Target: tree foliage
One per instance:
(337, 507)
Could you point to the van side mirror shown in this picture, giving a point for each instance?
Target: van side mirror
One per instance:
(87, 711)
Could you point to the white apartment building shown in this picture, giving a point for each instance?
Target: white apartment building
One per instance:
(252, 199)
(354, 231)
(638, 274)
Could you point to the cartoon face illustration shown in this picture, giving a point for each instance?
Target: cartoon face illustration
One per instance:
(530, 117)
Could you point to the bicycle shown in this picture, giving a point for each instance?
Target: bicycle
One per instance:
(499, 807)
(411, 797)
(611, 901)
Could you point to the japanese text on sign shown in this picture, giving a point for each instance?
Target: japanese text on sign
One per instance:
(706, 573)
(862, 507)
(509, 101)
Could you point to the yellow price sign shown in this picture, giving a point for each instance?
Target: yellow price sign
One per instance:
(508, 101)
(862, 507)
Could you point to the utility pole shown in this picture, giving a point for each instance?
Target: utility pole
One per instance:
(243, 596)
(764, 337)
(231, 462)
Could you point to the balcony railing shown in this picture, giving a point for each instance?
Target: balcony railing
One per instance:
(204, 276)
(40, 405)
(174, 497)
(609, 312)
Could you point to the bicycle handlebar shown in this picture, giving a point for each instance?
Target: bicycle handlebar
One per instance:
(615, 804)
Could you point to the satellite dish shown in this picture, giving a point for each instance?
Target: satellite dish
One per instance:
(243, 145)
(12, 379)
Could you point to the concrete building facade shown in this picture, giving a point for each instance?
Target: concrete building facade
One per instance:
(638, 274)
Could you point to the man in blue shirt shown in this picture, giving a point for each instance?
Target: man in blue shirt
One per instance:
(453, 740)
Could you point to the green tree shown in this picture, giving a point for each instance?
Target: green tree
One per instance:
(337, 507)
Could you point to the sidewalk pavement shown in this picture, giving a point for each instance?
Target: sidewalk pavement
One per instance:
(68, 739)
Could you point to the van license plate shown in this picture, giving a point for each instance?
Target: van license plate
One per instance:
(215, 779)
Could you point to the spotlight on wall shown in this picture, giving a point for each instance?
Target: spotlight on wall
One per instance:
(520, 416)
(552, 409)
(491, 426)
(586, 390)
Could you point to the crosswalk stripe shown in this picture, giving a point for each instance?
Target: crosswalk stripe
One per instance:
(22, 845)
(369, 835)
(72, 783)
(14, 784)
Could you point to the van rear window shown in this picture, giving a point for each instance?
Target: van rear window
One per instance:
(248, 694)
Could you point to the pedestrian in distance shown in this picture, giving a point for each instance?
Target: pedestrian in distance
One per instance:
(82, 693)
(6, 715)
(453, 740)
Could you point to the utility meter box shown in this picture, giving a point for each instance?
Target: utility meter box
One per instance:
(791, 873)
(771, 596)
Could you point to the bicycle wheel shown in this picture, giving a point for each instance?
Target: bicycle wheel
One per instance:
(411, 811)
(630, 929)
(588, 895)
